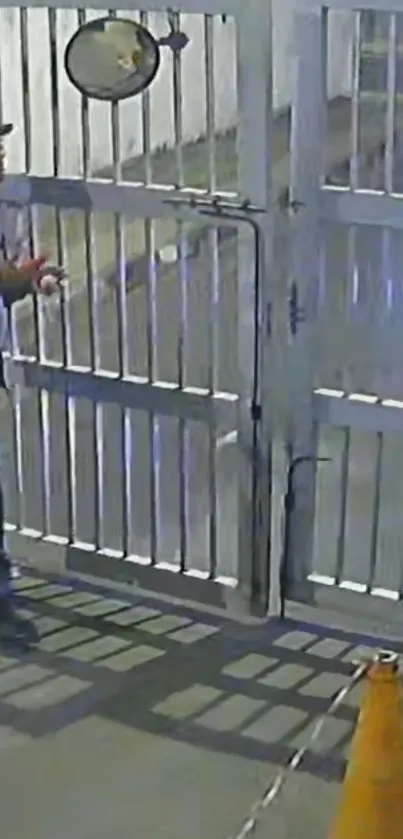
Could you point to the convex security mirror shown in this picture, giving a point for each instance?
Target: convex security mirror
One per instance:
(115, 58)
(112, 59)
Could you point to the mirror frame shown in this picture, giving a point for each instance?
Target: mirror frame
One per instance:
(92, 24)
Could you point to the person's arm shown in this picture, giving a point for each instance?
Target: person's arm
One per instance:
(15, 283)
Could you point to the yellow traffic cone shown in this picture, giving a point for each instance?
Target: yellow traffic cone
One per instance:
(371, 805)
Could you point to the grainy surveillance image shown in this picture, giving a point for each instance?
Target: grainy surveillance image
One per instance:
(201, 405)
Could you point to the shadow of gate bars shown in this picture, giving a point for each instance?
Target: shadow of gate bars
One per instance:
(138, 439)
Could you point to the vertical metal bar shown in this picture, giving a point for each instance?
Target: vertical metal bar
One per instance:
(213, 322)
(122, 335)
(389, 308)
(88, 231)
(43, 398)
(353, 278)
(209, 70)
(15, 402)
(353, 287)
(391, 104)
(341, 538)
(61, 260)
(355, 104)
(99, 501)
(25, 90)
(375, 512)
(183, 453)
(308, 126)
(152, 335)
(351, 304)
(93, 327)
(254, 82)
(174, 22)
(390, 282)
(213, 387)
(183, 431)
(154, 442)
(146, 120)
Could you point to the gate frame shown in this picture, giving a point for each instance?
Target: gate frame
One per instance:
(254, 82)
(315, 203)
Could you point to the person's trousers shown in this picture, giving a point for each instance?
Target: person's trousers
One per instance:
(5, 566)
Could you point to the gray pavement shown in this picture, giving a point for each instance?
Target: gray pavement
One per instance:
(355, 327)
(134, 719)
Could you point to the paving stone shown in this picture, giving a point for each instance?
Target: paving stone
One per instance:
(286, 676)
(164, 624)
(66, 638)
(295, 640)
(231, 713)
(186, 703)
(276, 724)
(133, 657)
(132, 616)
(17, 677)
(249, 666)
(52, 692)
(193, 633)
(324, 686)
(101, 647)
(328, 648)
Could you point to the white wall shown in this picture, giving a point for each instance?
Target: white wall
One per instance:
(161, 91)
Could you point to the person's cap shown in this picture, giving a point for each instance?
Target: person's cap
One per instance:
(6, 128)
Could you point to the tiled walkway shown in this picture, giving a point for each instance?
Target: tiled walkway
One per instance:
(122, 703)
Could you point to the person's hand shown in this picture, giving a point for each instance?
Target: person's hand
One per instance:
(46, 278)
(49, 279)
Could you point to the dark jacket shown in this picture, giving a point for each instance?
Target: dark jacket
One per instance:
(11, 294)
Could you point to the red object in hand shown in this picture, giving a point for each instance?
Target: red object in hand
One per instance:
(32, 265)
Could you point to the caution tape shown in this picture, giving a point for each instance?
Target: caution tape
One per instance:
(272, 791)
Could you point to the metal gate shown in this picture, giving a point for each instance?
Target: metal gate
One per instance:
(154, 360)
(344, 503)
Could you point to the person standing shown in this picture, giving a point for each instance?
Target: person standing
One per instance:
(19, 277)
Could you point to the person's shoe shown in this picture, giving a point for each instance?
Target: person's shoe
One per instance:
(8, 630)
(5, 575)
(9, 567)
(13, 629)
(15, 570)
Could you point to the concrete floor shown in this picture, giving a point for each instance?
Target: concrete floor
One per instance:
(131, 718)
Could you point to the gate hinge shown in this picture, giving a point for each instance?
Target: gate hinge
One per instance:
(295, 205)
(256, 412)
(296, 313)
(285, 202)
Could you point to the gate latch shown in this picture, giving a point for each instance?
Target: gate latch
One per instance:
(256, 412)
(285, 202)
(296, 312)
